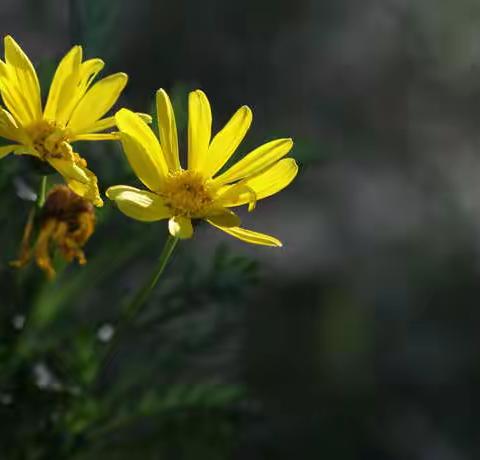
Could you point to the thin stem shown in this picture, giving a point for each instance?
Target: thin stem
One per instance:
(41, 192)
(142, 295)
(133, 308)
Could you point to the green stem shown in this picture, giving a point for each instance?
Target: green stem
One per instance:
(142, 295)
(133, 308)
(42, 192)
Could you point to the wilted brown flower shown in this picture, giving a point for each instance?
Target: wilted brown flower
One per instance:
(65, 224)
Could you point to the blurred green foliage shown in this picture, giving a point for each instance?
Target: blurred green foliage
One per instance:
(56, 400)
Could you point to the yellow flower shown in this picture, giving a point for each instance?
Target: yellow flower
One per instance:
(66, 223)
(200, 191)
(73, 112)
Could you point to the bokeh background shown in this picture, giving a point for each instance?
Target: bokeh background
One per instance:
(357, 340)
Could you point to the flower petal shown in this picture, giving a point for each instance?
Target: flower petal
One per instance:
(9, 128)
(136, 126)
(6, 149)
(69, 169)
(83, 77)
(142, 149)
(274, 179)
(225, 218)
(63, 85)
(109, 122)
(168, 130)
(26, 77)
(80, 179)
(249, 236)
(101, 125)
(138, 204)
(94, 137)
(256, 162)
(98, 100)
(227, 140)
(199, 129)
(12, 96)
(88, 71)
(180, 227)
(132, 126)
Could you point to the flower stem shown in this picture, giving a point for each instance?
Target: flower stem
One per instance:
(133, 308)
(142, 295)
(41, 192)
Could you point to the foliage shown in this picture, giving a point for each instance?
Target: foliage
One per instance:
(58, 396)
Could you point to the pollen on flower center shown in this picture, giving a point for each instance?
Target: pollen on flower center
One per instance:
(187, 194)
(49, 140)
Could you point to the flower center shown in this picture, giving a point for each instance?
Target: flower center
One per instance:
(49, 140)
(187, 194)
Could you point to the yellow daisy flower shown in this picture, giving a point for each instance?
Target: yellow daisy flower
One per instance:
(202, 191)
(73, 112)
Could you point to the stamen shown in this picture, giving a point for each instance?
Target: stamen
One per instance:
(187, 194)
(49, 140)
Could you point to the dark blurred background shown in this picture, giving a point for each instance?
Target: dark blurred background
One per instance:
(359, 339)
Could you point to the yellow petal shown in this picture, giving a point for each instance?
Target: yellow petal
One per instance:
(109, 122)
(94, 137)
(101, 125)
(266, 184)
(63, 85)
(68, 169)
(145, 117)
(25, 150)
(256, 162)
(26, 76)
(225, 218)
(180, 227)
(199, 129)
(6, 149)
(227, 141)
(98, 100)
(80, 179)
(89, 191)
(249, 236)
(168, 130)
(88, 71)
(9, 128)
(142, 162)
(142, 148)
(138, 204)
(81, 81)
(13, 96)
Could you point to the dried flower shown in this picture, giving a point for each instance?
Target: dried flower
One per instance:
(66, 222)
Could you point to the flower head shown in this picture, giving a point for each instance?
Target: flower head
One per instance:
(202, 190)
(66, 223)
(73, 111)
